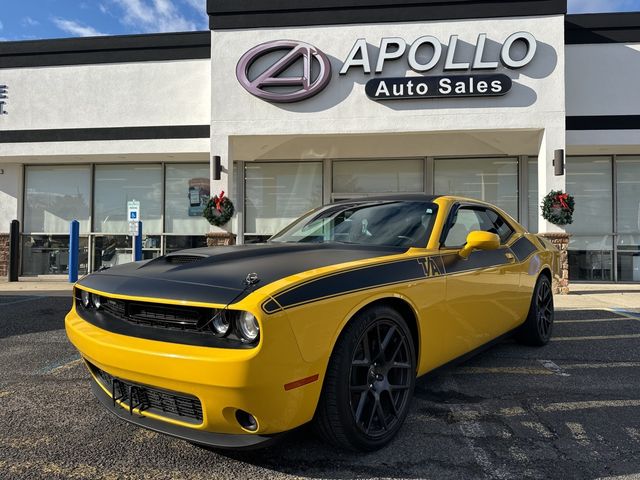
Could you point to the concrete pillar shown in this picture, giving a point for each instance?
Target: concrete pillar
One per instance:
(220, 146)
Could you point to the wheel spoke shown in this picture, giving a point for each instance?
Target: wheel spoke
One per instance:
(400, 365)
(367, 348)
(361, 403)
(373, 414)
(396, 351)
(387, 340)
(381, 415)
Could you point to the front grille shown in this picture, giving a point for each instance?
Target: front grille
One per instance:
(158, 315)
(178, 406)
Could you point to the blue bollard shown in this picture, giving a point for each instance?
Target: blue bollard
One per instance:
(138, 244)
(74, 250)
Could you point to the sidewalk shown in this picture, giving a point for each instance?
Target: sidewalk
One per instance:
(582, 296)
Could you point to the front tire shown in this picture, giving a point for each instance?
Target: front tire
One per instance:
(369, 383)
(538, 327)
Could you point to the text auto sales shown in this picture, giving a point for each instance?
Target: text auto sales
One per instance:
(468, 85)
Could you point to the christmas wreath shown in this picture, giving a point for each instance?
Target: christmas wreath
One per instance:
(218, 210)
(558, 207)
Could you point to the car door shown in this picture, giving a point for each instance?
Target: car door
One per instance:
(482, 291)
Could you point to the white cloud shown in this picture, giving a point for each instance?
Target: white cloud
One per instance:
(29, 22)
(592, 6)
(75, 28)
(200, 6)
(154, 16)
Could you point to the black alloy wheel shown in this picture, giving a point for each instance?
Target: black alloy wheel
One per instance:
(544, 310)
(369, 382)
(538, 327)
(380, 378)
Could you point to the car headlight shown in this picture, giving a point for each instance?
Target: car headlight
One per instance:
(86, 300)
(248, 326)
(221, 324)
(96, 300)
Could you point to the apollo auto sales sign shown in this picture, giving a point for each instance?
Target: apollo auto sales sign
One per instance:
(470, 77)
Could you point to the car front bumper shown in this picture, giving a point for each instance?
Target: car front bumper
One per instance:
(223, 380)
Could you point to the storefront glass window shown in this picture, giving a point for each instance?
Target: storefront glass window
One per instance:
(378, 176)
(494, 180)
(186, 193)
(115, 185)
(55, 195)
(49, 255)
(110, 250)
(277, 193)
(181, 242)
(628, 205)
(591, 247)
(534, 205)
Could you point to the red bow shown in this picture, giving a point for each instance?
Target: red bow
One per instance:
(218, 201)
(562, 198)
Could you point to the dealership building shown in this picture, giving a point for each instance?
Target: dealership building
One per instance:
(305, 103)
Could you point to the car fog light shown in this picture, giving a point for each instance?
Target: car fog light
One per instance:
(96, 300)
(220, 324)
(86, 301)
(248, 326)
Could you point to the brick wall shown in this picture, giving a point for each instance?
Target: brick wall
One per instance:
(4, 254)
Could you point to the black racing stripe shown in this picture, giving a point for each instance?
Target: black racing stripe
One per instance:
(271, 306)
(523, 248)
(453, 263)
(352, 280)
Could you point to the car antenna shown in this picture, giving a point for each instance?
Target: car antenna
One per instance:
(250, 280)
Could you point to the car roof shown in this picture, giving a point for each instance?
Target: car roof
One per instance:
(403, 197)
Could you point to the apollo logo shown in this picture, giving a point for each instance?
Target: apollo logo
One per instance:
(272, 85)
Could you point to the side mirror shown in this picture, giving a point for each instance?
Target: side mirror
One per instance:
(478, 240)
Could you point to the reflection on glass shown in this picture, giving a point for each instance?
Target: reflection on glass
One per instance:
(629, 257)
(628, 194)
(591, 258)
(110, 250)
(49, 255)
(494, 180)
(534, 205)
(589, 181)
(56, 195)
(186, 193)
(278, 193)
(378, 176)
(180, 242)
(115, 185)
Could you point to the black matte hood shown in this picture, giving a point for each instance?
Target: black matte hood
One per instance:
(217, 274)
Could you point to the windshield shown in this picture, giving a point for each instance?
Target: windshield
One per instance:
(388, 223)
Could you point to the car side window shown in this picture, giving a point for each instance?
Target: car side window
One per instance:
(469, 219)
(466, 221)
(501, 226)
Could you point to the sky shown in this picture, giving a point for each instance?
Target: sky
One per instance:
(36, 19)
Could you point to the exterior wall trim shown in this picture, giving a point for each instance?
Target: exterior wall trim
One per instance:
(229, 14)
(602, 28)
(110, 133)
(107, 49)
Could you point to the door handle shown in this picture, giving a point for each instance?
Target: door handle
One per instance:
(510, 257)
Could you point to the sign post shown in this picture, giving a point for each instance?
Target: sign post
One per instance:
(133, 217)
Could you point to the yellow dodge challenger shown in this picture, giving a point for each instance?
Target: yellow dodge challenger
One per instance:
(330, 321)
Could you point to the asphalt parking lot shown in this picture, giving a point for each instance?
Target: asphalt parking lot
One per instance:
(567, 410)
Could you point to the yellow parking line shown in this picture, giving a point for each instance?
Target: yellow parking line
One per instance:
(595, 337)
(595, 320)
(578, 433)
(540, 428)
(65, 366)
(569, 406)
(511, 370)
(602, 365)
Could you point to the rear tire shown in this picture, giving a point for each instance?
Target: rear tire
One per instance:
(369, 382)
(538, 327)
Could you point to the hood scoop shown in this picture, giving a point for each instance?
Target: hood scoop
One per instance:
(183, 259)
